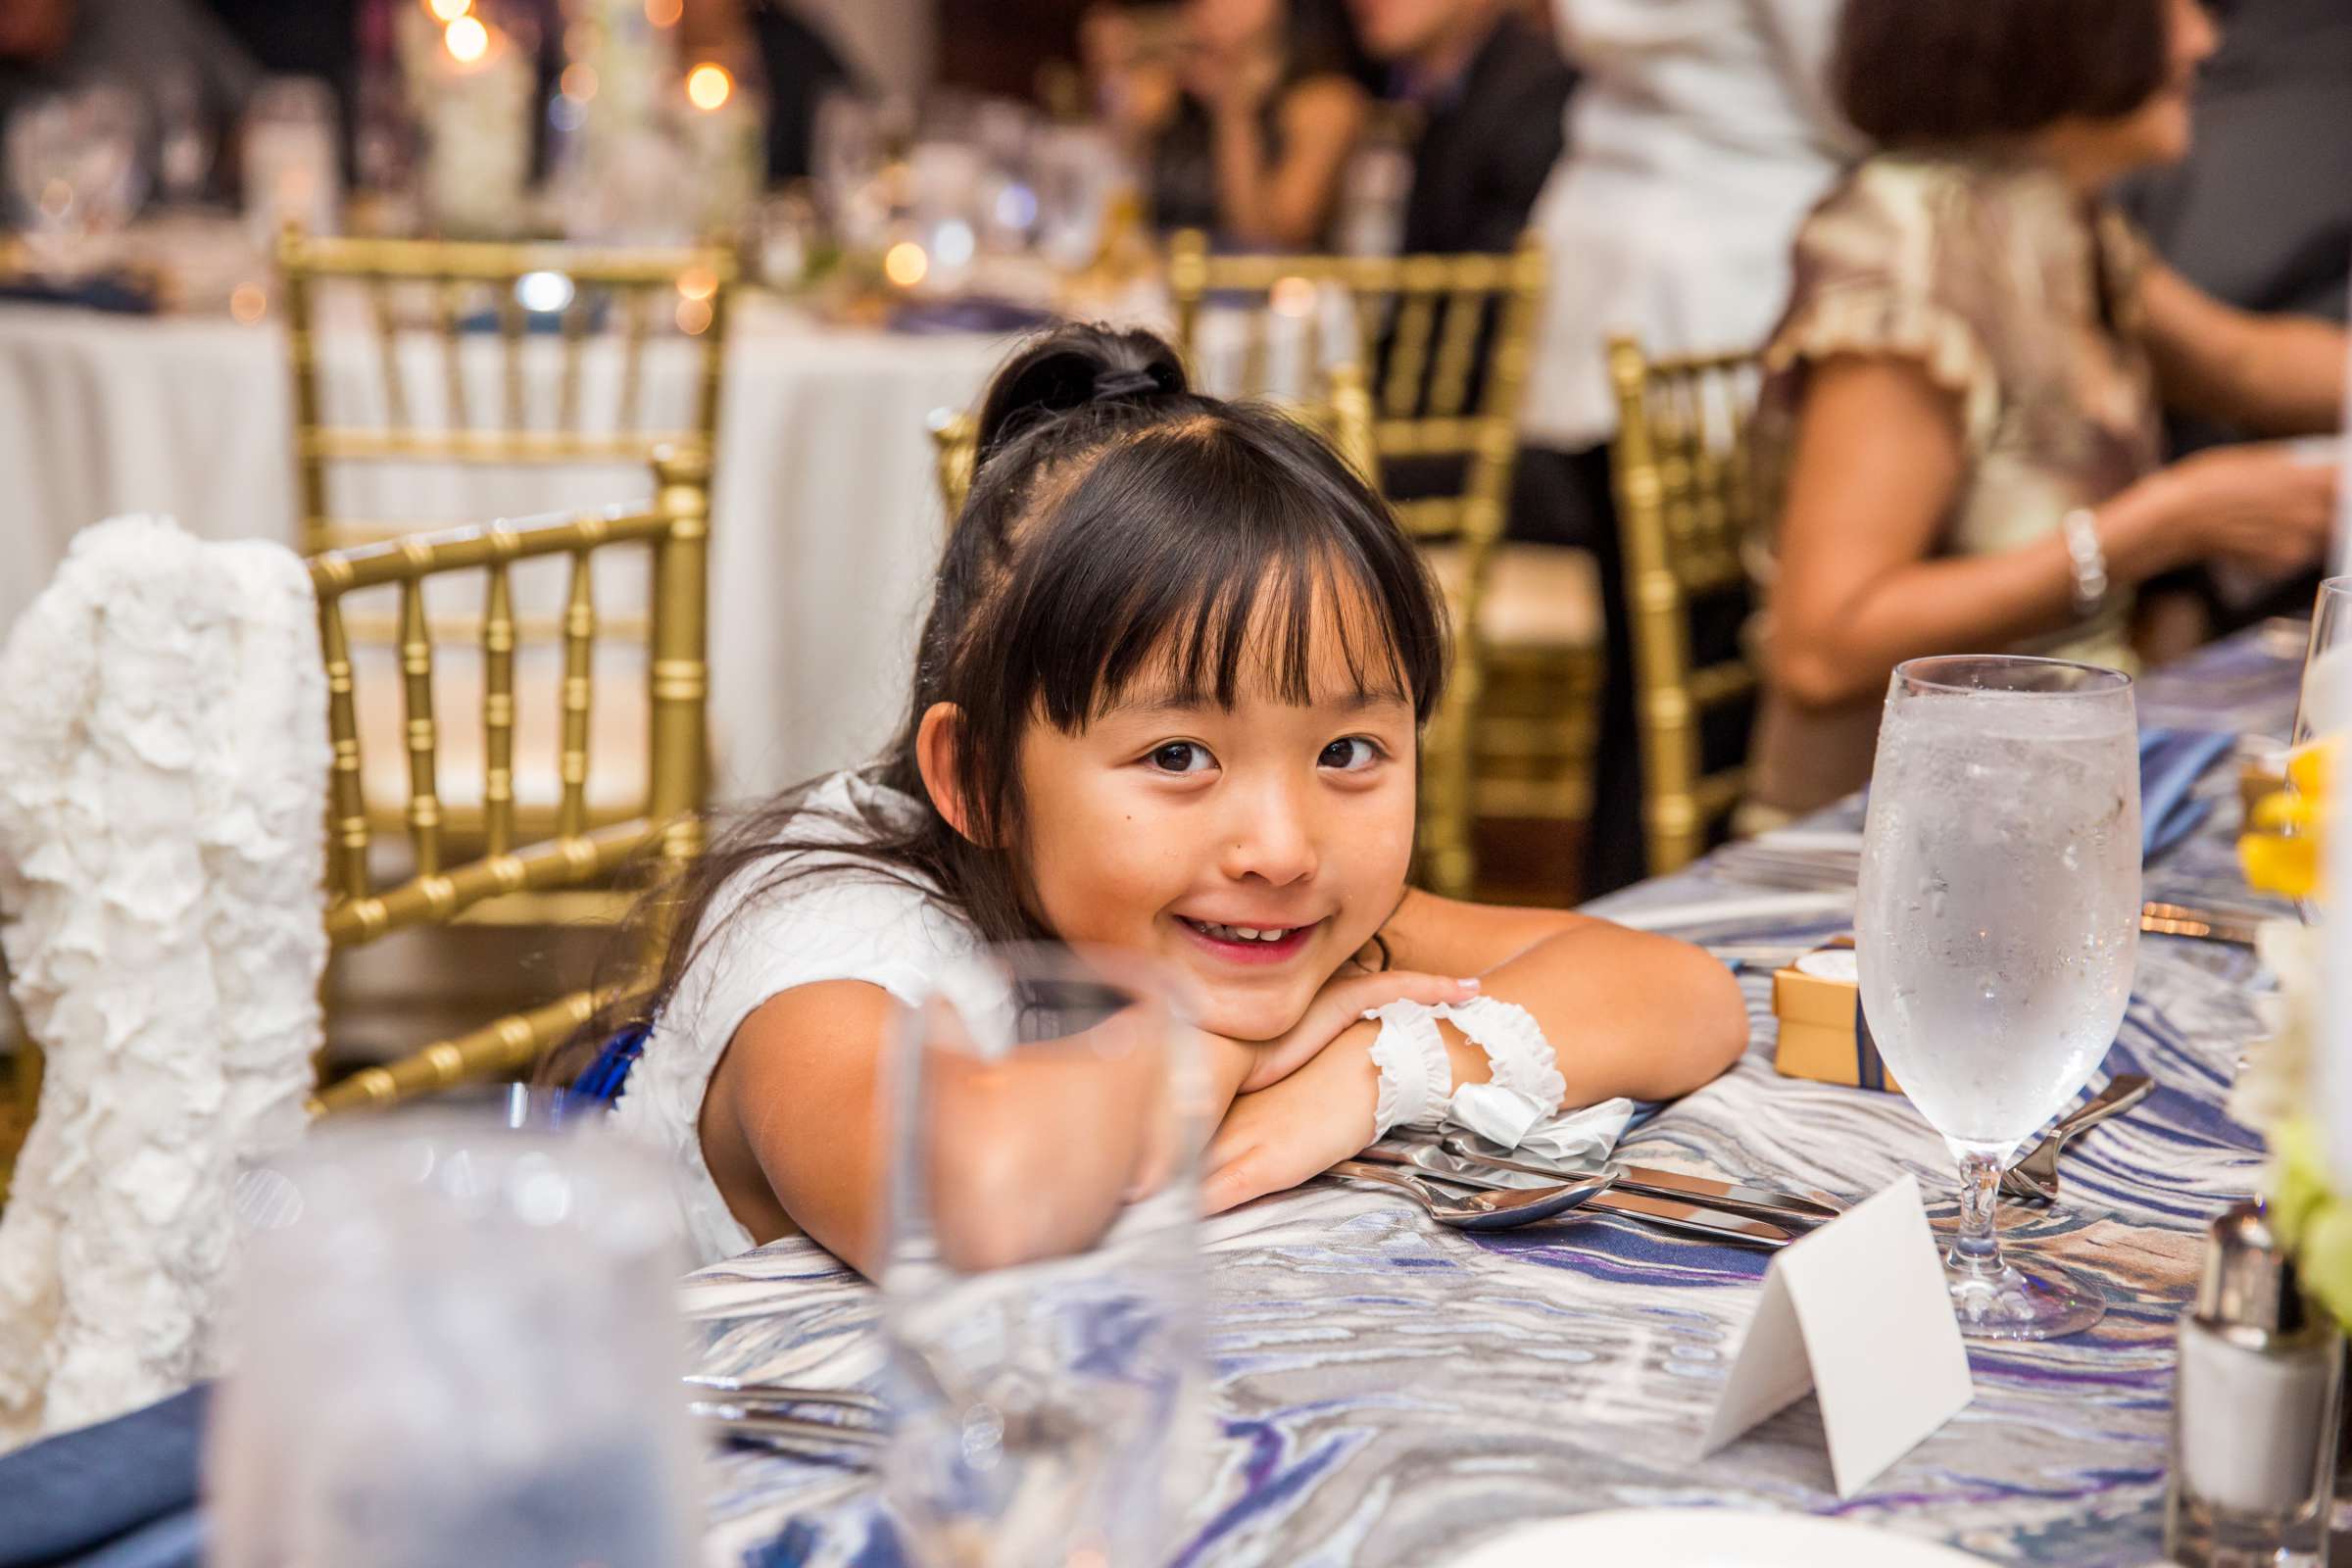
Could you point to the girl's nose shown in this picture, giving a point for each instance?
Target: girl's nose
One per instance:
(1269, 836)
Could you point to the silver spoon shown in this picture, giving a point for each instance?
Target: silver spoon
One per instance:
(2035, 1178)
(1500, 1210)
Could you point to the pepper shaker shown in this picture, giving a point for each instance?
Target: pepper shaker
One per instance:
(2254, 1409)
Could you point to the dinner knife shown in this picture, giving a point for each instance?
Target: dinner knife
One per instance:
(1671, 1214)
(1737, 1197)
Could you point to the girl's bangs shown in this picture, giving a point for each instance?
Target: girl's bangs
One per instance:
(1271, 578)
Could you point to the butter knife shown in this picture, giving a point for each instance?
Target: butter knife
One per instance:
(2179, 920)
(1704, 1219)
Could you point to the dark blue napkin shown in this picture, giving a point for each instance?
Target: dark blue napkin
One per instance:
(119, 295)
(2171, 762)
(972, 312)
(126, 1486)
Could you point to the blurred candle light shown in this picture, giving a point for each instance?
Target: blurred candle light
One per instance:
(578, 81)
(708, 86)
(904, 263)
(447, 10)
(543, 293)
(694, 315)
(698, 283)
(468, 40)
(665, 13)
(248, 303)
(1292, 295)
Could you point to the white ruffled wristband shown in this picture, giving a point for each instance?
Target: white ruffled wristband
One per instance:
(1524, 1085)
(1416, 1077)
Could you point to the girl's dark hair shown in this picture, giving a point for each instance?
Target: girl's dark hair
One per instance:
(1119, 527)
(1922, 73)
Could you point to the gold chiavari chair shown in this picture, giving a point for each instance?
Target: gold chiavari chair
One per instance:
(576, 851)
(1443, 343)
(461, 343)
(1689, 501)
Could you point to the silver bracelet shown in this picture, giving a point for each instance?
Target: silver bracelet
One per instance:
(2087, 560)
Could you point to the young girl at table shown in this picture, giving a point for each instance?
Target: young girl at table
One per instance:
(1168, 698)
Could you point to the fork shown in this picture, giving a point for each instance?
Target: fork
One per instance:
(2035, 1178)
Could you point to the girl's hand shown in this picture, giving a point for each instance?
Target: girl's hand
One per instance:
(1278, 1137)
(1341, 1003)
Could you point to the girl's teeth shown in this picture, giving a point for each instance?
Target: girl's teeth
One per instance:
(1242, 933)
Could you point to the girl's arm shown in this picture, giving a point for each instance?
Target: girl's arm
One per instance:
(1043, 1151)
(1878, 464)
(1627, 1013)
(2272, 375)
(1284, 203)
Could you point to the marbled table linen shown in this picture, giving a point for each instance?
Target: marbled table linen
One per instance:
(1390, 1390)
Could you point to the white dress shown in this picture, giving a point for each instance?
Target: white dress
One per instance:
(1699, 137)
(841, 919)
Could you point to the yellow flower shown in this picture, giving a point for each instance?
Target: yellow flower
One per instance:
(2281, 849)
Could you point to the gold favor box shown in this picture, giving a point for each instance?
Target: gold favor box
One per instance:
(1817, 1000)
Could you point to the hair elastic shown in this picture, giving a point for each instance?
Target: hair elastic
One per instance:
(1113, 384)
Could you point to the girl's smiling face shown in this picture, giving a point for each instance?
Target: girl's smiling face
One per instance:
(1252, 848)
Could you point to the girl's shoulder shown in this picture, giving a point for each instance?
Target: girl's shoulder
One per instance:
(820, 910)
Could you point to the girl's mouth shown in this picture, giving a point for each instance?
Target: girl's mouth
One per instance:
(1248, 943)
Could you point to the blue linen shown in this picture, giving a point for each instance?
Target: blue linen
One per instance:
(2171, 762)
(105, 1485)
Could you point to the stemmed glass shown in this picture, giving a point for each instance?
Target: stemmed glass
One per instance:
(1998, 930)
(1038, 1274)
(2325, 707)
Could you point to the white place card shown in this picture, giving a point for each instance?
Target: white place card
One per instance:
(1857, 1311)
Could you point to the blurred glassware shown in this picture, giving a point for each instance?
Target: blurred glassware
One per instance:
(1075, 171)
(183, 137)
(1039, 1269)
(2324, 706)
(74, 166)
(788, 239)
(849, 154)
(454, 1342)
(1373, 187)
(290, 165)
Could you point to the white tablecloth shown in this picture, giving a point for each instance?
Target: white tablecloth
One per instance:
(826, 524)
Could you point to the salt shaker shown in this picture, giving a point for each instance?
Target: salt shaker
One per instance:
(2254, 1409)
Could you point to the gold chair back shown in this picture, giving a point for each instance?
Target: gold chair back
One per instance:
(1443, 344)
(675, 529)
(422, 298)
(1689, 501)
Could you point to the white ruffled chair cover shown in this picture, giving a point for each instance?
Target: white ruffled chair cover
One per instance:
(162, 774)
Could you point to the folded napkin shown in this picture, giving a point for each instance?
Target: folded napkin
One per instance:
(2171, 762)
(117, 1484)
(1570, 1135)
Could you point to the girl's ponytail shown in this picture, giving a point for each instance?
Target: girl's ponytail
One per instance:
(1073, 367)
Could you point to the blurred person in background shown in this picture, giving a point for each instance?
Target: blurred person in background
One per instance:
(53, 45)
(2260, 213)
(1699, 134)
(1964, 387)
(1492, 91)
(1247, 131)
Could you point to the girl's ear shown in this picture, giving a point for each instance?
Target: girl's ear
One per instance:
(936, 743)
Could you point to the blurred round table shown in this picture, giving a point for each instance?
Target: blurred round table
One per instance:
(825, 522)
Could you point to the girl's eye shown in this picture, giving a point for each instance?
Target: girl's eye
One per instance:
(1182, 757)
(1351, 756)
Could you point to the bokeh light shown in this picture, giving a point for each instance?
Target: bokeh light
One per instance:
(698, 283)
(665, 13)
(248, 303)
(467, 39)
(693, 316)
(447, 10)
(1292, 295)
(904, 263)
(543, 292)
(708, 86)
(578, 81)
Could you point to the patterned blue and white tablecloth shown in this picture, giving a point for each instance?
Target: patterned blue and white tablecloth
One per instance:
(1389, 1390)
